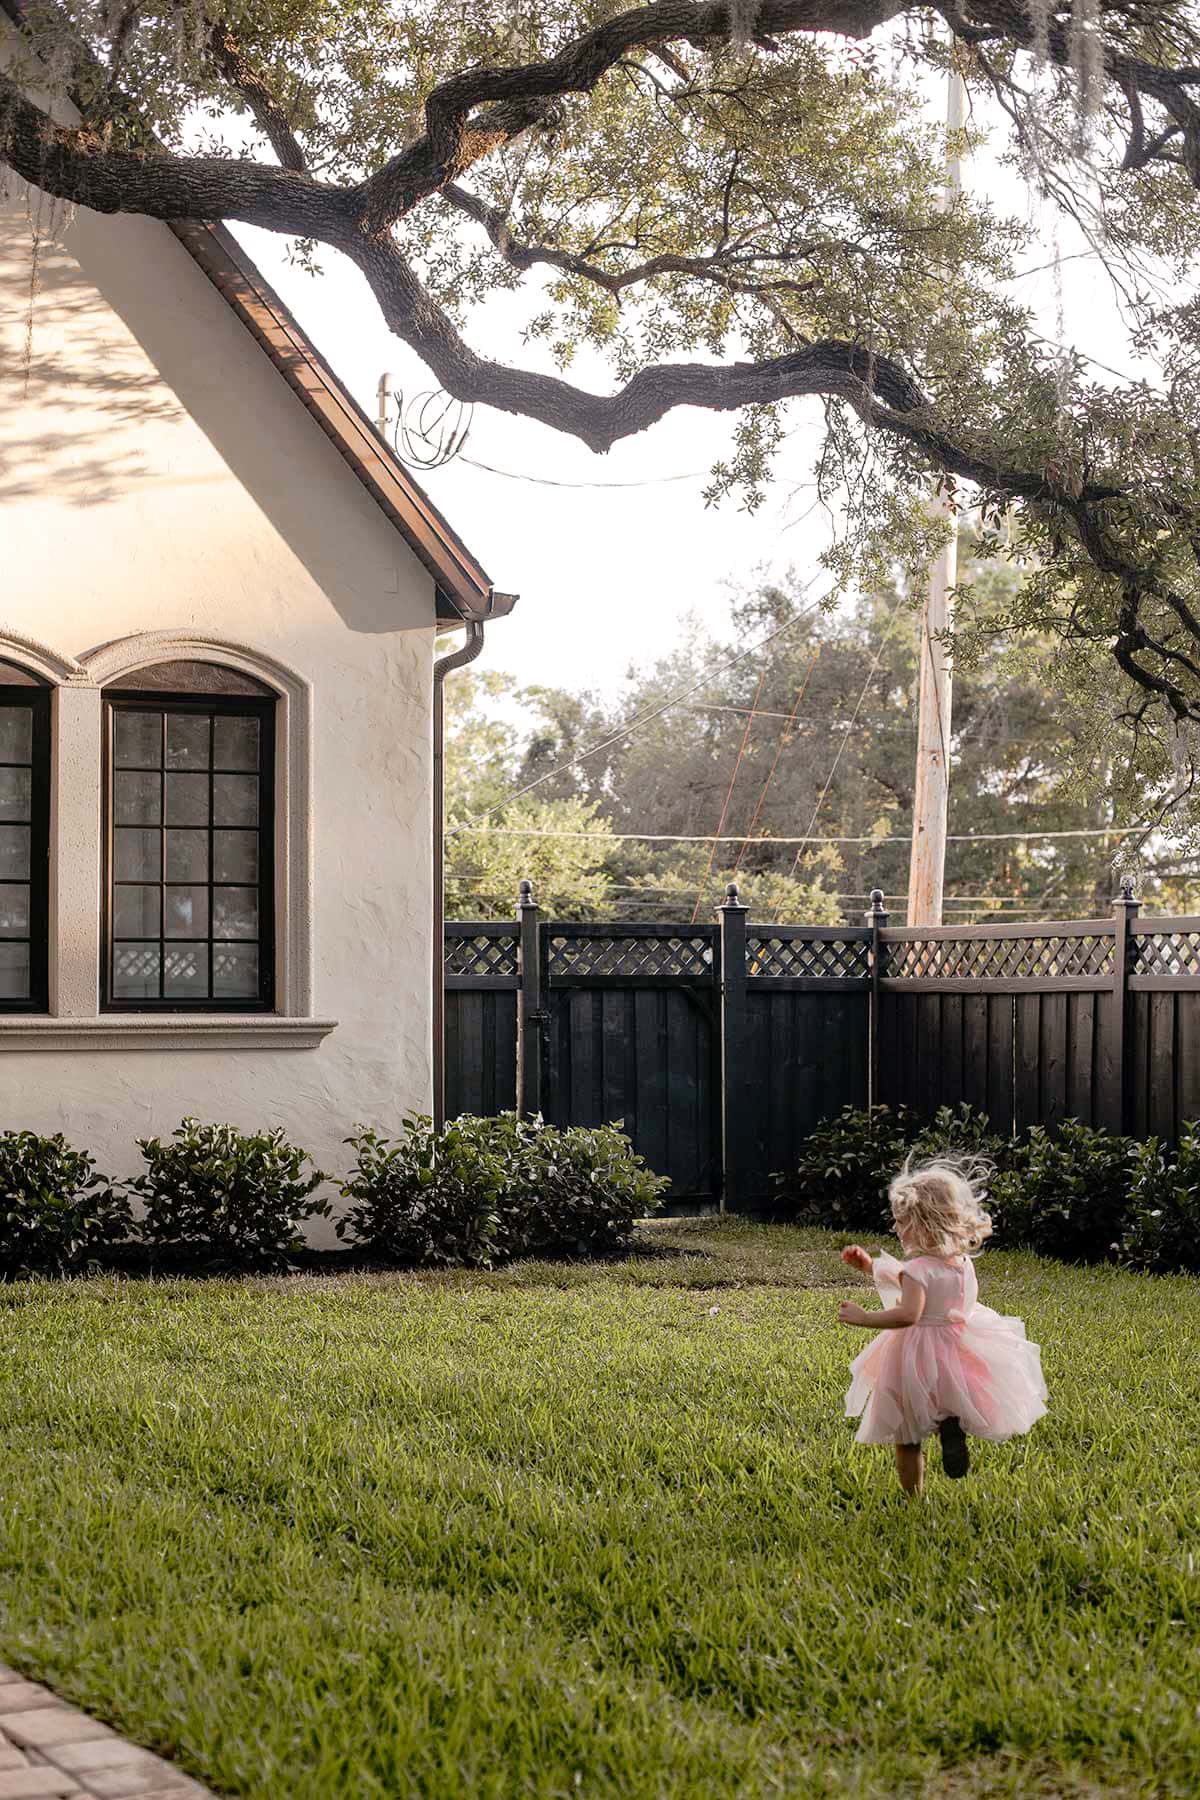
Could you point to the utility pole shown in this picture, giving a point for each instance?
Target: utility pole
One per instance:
(931, 790)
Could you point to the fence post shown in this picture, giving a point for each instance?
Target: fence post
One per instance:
(530, 1016)
(876, 918)
(732, 918)
(1125, 910)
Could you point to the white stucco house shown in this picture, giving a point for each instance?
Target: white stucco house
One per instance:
(219, 595)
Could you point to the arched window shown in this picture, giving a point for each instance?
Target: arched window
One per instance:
(24, 839)
(189, 809)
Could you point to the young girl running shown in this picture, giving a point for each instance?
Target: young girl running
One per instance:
(941, 1362)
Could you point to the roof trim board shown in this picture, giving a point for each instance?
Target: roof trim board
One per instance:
(464, 587)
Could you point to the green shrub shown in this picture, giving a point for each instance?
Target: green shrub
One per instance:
(224, 1200)
(1162, 1230)
(56, 1214)
(842, 1178)
(486, 1190)
(582, 1191)
(961, 1131)
(432, 1198)
(1066, 1195)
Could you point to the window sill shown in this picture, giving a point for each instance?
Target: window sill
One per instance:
(176, 1031)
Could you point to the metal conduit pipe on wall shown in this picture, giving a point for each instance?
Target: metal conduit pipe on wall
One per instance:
(498, 606)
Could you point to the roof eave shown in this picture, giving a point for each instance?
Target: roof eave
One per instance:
(430, 536)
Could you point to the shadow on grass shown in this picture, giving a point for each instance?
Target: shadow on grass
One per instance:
(700, 1253)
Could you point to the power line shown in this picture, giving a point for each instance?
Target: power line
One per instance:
(875, 661)
(546, 481)
(648, 718)
(643, 482)
(729, 793)
(679, 837)
(784, 741)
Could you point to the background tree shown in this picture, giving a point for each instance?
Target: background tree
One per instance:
(736, 204)
(816, 736)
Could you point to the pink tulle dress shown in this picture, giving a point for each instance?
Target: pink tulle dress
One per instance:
(962, 1360)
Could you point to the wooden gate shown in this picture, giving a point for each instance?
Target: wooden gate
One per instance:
(632, 1032)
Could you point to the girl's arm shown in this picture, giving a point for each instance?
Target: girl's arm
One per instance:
(888, 1318)
(858, 1258)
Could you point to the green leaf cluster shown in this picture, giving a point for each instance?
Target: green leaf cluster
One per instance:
(1076, 1192)
(57, 1215)
(224, 1199)
(482, 1191)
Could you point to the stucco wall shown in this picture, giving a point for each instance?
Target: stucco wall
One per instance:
(156, 474)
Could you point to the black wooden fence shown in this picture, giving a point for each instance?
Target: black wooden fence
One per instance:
(721, 1046)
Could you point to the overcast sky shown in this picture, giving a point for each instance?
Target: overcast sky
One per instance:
(609, 574)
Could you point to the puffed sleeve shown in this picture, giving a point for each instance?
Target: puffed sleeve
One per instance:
(886, 1273)
(917, 1271)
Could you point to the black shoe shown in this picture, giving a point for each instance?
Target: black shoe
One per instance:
(956, 1458)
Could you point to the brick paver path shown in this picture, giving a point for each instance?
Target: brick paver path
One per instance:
(49, 1749)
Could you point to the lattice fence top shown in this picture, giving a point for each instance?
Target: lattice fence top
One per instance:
(1166, 953)
(1031, 958)
(481, 955)
(632, 956)
(833, 959)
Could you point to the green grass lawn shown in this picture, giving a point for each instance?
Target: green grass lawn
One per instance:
(600, 1531)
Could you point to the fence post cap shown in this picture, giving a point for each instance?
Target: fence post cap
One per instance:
(525, 894)
(1126, 897)
(877, 913)
(732, 901)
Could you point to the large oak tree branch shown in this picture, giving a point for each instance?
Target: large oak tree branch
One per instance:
(518, 96)
(245, 79)
(77, 163)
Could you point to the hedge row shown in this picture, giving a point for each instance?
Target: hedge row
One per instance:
(1078, 1194)
(478, 1192)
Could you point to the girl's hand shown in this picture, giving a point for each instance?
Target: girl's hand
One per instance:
(849, 1313)
(858, 1258)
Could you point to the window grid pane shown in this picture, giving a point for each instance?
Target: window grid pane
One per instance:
(189, 911)
(24, 846)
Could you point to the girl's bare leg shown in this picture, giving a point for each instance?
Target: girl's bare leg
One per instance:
(910, 1466)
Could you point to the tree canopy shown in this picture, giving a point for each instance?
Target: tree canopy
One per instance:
(813, 736)
(737, 204)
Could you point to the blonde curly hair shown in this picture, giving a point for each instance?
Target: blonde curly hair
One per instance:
(939, 1205)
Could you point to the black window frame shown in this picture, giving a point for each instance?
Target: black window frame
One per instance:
(38, 698)
(264, 709)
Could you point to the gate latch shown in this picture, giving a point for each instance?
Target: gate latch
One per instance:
(537, 1017)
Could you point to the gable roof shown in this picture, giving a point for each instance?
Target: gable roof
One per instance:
(464, 589)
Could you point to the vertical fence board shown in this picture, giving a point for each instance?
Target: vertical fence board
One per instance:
(1187, 1105)
(911, 1051)
(472, 1037)
(615, 1103)
(587, 1056)
(858, 1047)
(953, 1074)
(1107, 1103)
(1081, 1057)
(1160, 1087)
(889, 1048)
(653, 1055)
(829, 1034)
(1137, 1063)
(928, 1051)
(1053, 1054)
(975, 1051)
(1027, 1046)
(1001, 1107)
(898, 1080)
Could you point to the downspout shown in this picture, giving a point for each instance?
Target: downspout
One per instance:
(457, 659)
